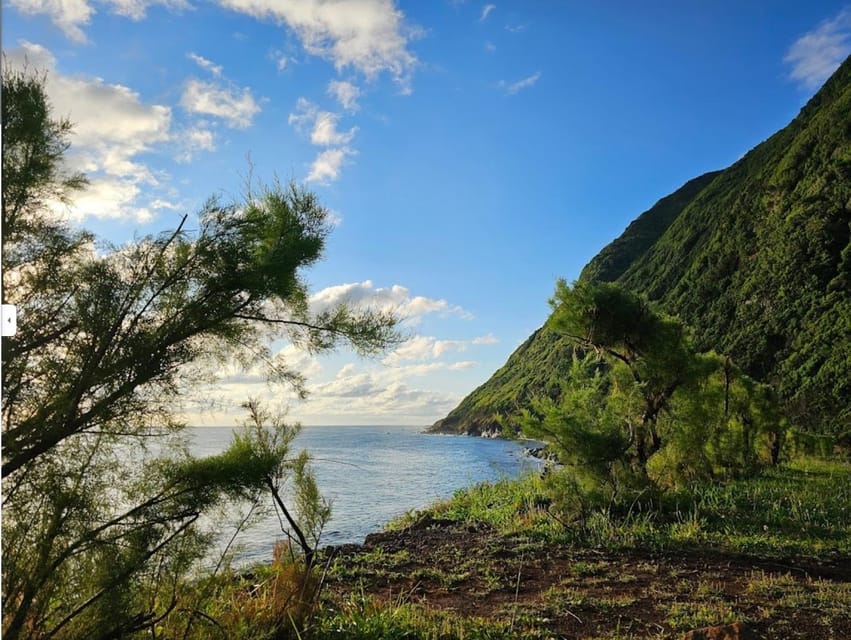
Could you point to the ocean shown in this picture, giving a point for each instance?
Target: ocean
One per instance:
(373, 475)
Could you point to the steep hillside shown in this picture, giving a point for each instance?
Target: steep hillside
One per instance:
(756, 259)
(643, 232)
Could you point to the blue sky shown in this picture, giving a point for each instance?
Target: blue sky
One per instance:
(471, 152)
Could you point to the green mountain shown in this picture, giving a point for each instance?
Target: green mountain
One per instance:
(756, 259)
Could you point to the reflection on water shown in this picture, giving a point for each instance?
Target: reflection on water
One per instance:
(375, 474)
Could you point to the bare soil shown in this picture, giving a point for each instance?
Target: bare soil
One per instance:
(572, 592)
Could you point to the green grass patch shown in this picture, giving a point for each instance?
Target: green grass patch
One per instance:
(800, 508)
(365, 619)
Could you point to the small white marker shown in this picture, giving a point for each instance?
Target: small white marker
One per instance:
(8, 320)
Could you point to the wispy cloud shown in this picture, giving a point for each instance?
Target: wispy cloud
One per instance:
(195, 139)
(346, 93)
(202, 62)
(486, 11)
(321, 127)
(282, 60)
(515, 87)
(237, 107)
(816, 54)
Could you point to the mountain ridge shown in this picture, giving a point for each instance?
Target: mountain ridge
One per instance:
(755, 259)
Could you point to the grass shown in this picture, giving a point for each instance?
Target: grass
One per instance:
(365, 619)
(801, 508)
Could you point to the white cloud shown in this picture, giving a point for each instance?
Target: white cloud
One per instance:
(236, 107)
(197, 139)
(72, 15)
(488, 339)
(520, 85)
(396, 299)
(490, 47)
(322, 125)
(816, 55)
(370, 36)
(136, 9)
(281, 59)
(423, 348)
(111, 127)
(68, 15)
(327, 165)
(486, 11)
(300, 361)
(202, 62)
(346, 93)
(325, 133)
(304, 115)
(384, 392)
(107, 198)
(516, 28)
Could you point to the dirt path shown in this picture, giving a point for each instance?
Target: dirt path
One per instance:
(584, 593)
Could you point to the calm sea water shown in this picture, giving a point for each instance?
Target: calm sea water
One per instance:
(376, 474)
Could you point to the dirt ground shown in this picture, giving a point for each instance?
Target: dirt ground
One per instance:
(571, 592)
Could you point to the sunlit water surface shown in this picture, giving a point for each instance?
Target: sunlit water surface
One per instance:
(376, 474)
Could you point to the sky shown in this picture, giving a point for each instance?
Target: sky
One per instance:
(470, 153)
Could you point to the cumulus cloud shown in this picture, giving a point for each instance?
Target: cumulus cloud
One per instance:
(397, 299)
(72, 15)
(488, 339)
(111, 128)
(383, 392)
(236, 107)
(370, 36)
(346, 93)
(516, 87)
(202, 62)
(107, 198)
(486, 11)
(327, 165)
(817, 54)
(423, 348)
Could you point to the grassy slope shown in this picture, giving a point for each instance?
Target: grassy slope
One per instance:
(495, 562)
(756, 259)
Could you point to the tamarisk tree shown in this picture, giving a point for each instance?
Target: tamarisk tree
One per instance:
(110, 341)
(642, 405)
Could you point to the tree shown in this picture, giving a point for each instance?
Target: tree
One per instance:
(623, 328)
(651, 404)
(109, 342)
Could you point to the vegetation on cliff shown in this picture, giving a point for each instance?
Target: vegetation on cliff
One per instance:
(755, 260)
